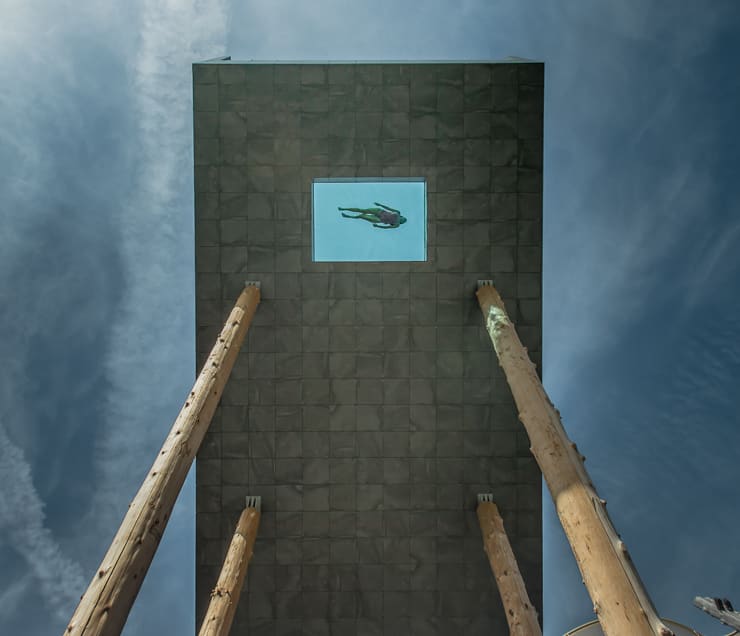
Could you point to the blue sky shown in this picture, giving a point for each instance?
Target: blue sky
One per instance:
(641, 270)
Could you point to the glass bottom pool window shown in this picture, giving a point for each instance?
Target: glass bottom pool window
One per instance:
(379, 219)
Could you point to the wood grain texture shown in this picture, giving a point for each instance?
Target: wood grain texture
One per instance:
(104, 607)
(225, 596)
(520, 613)
(620, 600)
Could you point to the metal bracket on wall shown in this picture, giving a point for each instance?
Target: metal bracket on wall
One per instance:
(254, 502)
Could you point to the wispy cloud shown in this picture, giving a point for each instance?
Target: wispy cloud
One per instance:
(373, 30)
(12, 596)
(665, 459)
(148, 366)
(49, 271)
(699, 397)
(718, 261)
(22, 521)
(73, 151)
(627, 183)
(149, 362)
(619, 249)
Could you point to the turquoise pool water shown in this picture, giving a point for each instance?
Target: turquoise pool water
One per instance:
(389, 220)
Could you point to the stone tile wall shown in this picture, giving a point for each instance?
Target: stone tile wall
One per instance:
(367, 407)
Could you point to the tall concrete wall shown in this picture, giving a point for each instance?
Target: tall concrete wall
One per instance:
(367, 407)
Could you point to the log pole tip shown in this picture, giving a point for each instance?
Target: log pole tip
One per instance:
(253, 283)
(485, 497)
(481, 283)
(254, 502)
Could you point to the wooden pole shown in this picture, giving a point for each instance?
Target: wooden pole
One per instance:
(620, 600)
(520, 612)
(104, 607)
(225, 595)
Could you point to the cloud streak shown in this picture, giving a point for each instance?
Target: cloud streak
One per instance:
(148, 366)
(87, 176)
(149, 362)
(22, 521)
(50, 273)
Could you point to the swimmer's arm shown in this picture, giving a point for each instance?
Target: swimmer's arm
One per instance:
(387, 207)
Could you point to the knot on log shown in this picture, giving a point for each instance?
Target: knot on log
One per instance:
(219, 592)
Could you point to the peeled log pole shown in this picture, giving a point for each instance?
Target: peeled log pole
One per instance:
(520, 612)
(620, 600)
(105, 605)
(225, 595)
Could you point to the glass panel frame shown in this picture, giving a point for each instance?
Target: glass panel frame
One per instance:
(369, 219)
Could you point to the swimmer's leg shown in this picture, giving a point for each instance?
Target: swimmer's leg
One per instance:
(365, 217)
(360, 210)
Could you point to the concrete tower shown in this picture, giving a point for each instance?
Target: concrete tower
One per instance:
(367, 408)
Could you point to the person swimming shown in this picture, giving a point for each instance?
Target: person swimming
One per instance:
(383, 217)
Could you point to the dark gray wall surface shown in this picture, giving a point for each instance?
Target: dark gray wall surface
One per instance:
(367, 407)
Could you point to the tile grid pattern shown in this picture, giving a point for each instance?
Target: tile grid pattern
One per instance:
(367, 407)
